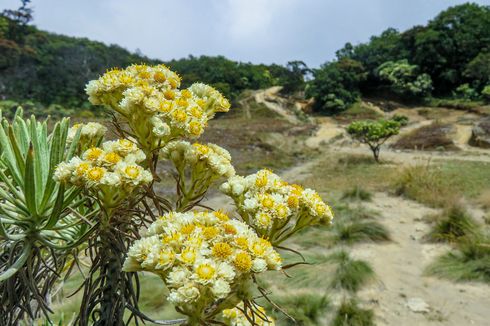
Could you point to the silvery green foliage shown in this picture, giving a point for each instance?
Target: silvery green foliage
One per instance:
(39, 222)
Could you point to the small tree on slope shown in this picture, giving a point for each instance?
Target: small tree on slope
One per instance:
(373, 133)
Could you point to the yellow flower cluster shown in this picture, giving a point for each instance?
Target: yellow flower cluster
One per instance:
(207, 161)
(149, 99)
(203, 258)
(274, 208)
(90, 134)
(111, 172)
(236, 317)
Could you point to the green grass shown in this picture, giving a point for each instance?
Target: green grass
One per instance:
(306, 309)
(459, 104)
(470, 261)
(354, 231)
(426, 184)
(357, 193)
(338, 173)
(452, 224)
(350, 314)
(443, 182)
(350, 274)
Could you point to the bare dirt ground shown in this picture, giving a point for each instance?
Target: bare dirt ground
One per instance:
(402, 294)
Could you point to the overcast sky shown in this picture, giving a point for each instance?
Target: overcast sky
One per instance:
(260, 31)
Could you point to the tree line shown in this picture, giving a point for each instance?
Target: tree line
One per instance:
(449, 57)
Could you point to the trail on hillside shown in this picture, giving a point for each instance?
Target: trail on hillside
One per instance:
(403, 295)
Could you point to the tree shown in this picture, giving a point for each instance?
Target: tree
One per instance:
(336, 85)
(293, 79)
(373, 133)
(404, 79)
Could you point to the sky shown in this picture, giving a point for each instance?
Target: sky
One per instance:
(258, 31)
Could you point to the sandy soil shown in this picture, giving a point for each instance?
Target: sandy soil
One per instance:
(402, 294)
(399, 266)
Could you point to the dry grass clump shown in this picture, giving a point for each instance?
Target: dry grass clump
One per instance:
(307, 309)
(484, 199)
(469, 261)
(350, 314)
(357, 193)
(453, 224)
(350, 274)
(432, 137)
(425, 184)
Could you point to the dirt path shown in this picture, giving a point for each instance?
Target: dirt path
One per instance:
(399, 266)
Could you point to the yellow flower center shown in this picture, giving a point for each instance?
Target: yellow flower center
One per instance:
(144, 74)
(188, 256)
(229, 229)
(159, 77)
(112, 158)
(196, 112)
(222, 216)
(95, 173)
(260, 247)
(195, 128)
(241, 242)
(169, 94)
(243, 262)
(210, 232)
(188, 229)
(202, 149)
(264, 220)
(126, 144)
(205, 271)
(222, 250)
(182, 102)
(82, 168)
(267, 202)
(293, 201)
(261, 181)
(166, 106)
(282, 211)
(201, 102)
(132, 172)
(93, 153)
(173, 83)
(186, 93)
(180, 115)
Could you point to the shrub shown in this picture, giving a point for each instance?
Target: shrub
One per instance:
(357, 193)
(350, 274)
(431, 137)
(453, 224)
(425, 184)
(401, 119)
(350, 314)
(335, 86)
(404, 79)
(373, 133)
(486, 93)
(470, 261)
(466, 91)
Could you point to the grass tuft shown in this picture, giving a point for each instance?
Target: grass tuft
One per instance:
(350, 274)
(354, 231)
(307, 309)
(425, 184)
(453, 224)
(469, 262)
(350, 314)
(357, 193)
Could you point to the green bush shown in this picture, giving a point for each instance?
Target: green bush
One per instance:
(485, 93)
(404, 78)
(466, 92)
(401, 119)
(373, 133)
(335, 86)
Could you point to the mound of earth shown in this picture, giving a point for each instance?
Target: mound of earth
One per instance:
(480, 134)
(435, 136)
